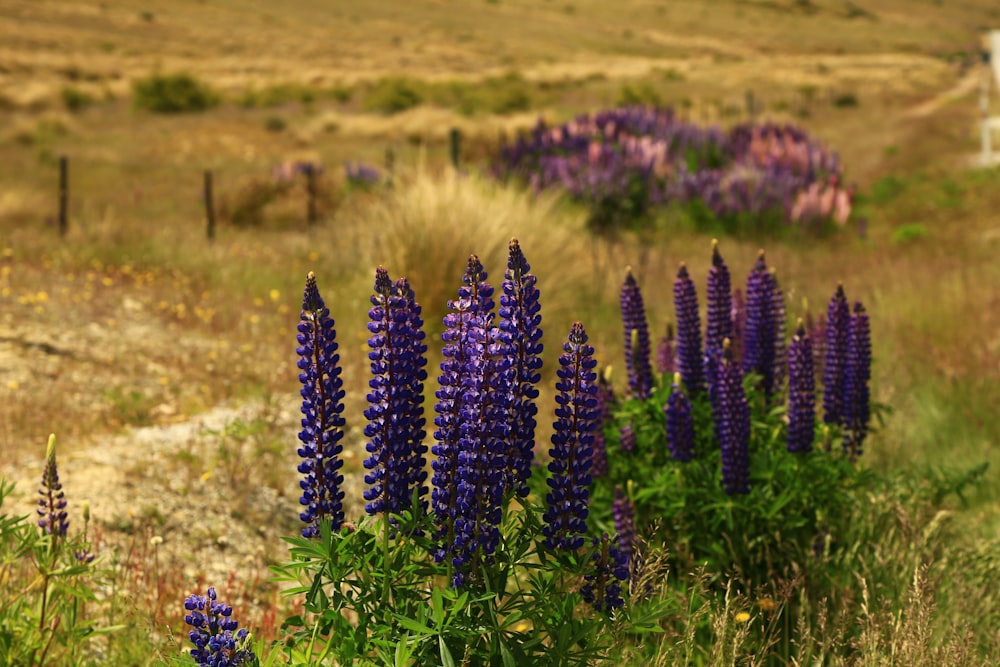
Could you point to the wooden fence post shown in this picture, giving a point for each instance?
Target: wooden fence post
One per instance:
(63, 195)
(390, 165)
(209, 206)
(455, 138)
(311, 214)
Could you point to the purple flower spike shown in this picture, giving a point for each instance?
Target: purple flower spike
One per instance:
(760, 343)
(572, 444)
(732, 425)
(627, 441)
(838, 316)
(395, 414)
(666, 353)
(603, 588)
(52, 515)
(680, 424)
(801, 392)
(520, 319)
(857, 374)
(718, 311)
(322, 408)
(739, 320)
(689, 351)
(473, 410)
(214, 632)
(637, 346)
(778, 313)
(605, 402)
(623, 514)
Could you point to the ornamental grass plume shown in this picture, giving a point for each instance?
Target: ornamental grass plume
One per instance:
(572, 444)
(520, 318)
(857, 374)
(760, 341)
(52, 515)
(473, 421)
(718, 311)
(214, 632)
(689, 351)
(679, 422)
(603, 588)
(731, 415)
(838, 316)
(395, 414)
(637, 345)
(322, 420)
(801, 392)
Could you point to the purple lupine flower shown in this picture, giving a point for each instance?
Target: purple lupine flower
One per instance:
(605, 402)
(666, 353)
(603, 589)
(838, 316)
(718, 311)
(214, 632)
(395, 413)
(52, 515)
(322, 408)
(689, 350)
(680, 424)
(760, 336)
(731, 414)
(778, 313)
(637, 346)
(739, 320)
(801, 392)
(520, 318)
(627, 441)
(572, 444)
(361, 174)
(623, 514)
(857, 374)
(473, 409)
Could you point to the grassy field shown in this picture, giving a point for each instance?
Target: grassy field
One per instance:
(135, 319)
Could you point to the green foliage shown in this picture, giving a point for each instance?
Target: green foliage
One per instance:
(75, 99)
(909, 233)
(641, 93)
(393, 95)
(172, 93)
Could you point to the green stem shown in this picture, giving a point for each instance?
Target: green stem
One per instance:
(385, 561)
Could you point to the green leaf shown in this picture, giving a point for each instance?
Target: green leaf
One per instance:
(413, 626)
(446, 659)
(508, 659)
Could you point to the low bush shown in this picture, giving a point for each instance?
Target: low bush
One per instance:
(172, 93)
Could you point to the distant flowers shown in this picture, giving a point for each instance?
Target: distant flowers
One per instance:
(627, 161)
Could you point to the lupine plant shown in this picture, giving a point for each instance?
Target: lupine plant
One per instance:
(492, 570)
(733, 477)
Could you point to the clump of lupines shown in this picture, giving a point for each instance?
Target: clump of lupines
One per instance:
(322, 408)
(214, 632)
(52, 515)
(572, 444)
(395, 415)
(666, 353)
(857, 373)
(732, 425)
(637, 345)
(689, 350)
(760, 342)
(679, 422)
(801, 392)
(718, 311)
(520, 319)
(838, 315)
(473, 412)
(603, 587)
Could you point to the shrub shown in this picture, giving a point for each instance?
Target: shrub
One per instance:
(172, 93)
(392, 95)
(75, 99)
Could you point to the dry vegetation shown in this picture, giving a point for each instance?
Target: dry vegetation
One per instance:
(135, 320)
